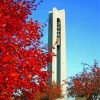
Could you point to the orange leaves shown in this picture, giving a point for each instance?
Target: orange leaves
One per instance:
(15, 75)
(77, 82)
(29, 76)
(50, 92)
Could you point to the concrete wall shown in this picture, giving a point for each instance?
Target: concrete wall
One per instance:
(52, 39)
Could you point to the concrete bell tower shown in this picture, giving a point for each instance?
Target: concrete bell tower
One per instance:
(57, 38)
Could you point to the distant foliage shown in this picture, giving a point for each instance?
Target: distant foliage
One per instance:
(86, 84)
(22, 58)
(50, 92)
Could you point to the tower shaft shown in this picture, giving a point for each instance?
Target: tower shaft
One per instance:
(57, 38)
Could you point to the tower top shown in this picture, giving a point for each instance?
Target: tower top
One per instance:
(56, 10)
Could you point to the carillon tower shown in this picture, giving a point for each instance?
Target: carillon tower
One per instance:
(57, 38)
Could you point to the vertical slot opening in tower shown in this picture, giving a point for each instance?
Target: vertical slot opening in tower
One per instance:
(58, 51)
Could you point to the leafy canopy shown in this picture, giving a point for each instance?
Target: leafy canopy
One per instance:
(22, 58)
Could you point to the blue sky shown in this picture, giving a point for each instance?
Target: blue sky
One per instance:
(82, 30)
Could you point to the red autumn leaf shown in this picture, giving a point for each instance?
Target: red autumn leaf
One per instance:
(86, 84)
(21, 54)
(6, 58)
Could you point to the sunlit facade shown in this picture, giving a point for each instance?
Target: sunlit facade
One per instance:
(57, 38)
